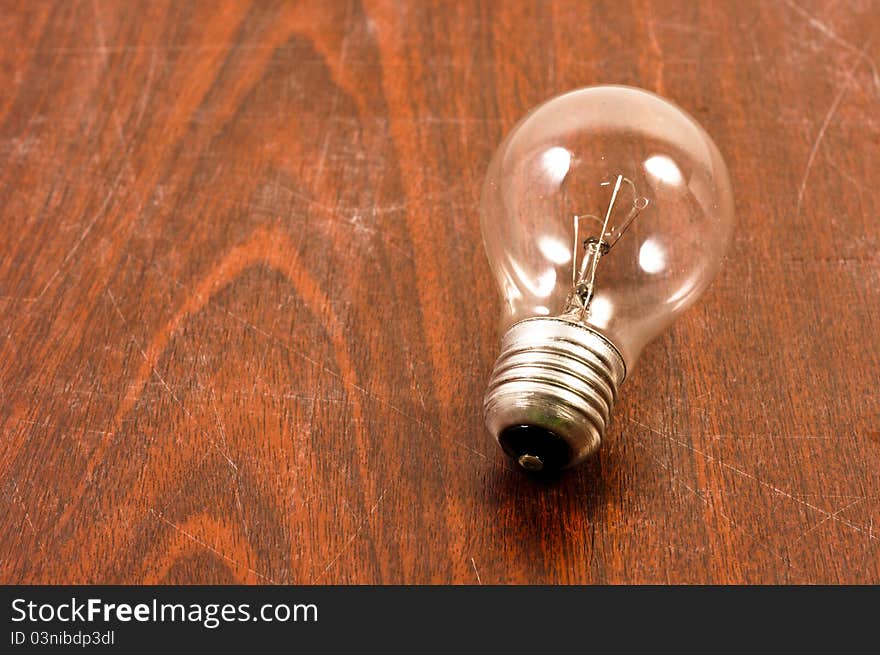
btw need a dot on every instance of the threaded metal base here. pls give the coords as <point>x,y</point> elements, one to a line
<point>551,393</point>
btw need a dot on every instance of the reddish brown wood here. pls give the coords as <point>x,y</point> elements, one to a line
<point>246,320</point>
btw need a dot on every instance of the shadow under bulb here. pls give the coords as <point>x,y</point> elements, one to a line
<point>605,213</point>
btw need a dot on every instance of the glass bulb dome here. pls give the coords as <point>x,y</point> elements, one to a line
<point>558,167</point>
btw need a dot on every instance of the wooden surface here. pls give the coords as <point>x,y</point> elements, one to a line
<point>246,319</point>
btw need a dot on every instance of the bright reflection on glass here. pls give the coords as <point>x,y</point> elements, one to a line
<point>546,283</point>
<point>681,295</point>
<point>664,169</point>
<point>555,250</point>
<point>556,162</point>
<point>511,291</point>
<point>600,311</point>
<point>652,257</point>
<point>539,286</point>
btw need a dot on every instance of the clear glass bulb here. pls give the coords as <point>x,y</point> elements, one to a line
<point>606,210</point>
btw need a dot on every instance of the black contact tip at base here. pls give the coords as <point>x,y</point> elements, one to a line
<point>535,449</point>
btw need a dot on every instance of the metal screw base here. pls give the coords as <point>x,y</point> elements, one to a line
<point>551,393</point>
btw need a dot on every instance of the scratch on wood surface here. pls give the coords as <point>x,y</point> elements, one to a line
<point>770,436</point>
<point>221,432</point>
<point>834,36</point>
<point>195,539</point>
<point>27,516</point>
<point>823,128</point>
<point>334,106</point>
<point>830,517</point>
<point>872,552</point>
<point>237,472</point>
<point>477,573</point>
<point>450,194</point>
<point>704,497</point>
<point>85,232</point>
<point>738,471</point>
<point>474,451</point>
<point>351,540</point>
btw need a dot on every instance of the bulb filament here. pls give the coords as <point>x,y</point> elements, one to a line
<point>583,275</point>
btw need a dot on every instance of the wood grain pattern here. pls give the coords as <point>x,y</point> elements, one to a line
<point>246,319</point>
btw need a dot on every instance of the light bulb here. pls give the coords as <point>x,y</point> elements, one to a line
<point>605,213</point>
